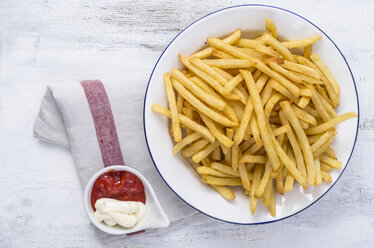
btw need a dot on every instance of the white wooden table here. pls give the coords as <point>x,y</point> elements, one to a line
<point>45,42</point>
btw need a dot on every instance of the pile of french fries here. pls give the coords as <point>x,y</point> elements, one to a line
<point>255,115</point>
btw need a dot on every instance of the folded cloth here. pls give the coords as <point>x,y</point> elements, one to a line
<point>67,118</point>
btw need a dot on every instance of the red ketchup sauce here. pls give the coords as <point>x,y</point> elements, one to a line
<point>119,185</point>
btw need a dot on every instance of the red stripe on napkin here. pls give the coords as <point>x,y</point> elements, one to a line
<point>102,116</point>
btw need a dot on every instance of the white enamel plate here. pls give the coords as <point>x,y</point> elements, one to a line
<point>178,174</point>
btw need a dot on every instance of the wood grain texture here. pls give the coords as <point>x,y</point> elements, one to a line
<point>63,42</point>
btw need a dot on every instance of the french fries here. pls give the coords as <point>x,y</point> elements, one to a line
<point>221,181</point>
<point>200,106</point>
<point>301,43</point>
<point>250,43</point>
<point>303,140</point>
<point>301,69</point>
<point>216,132</point>
<point>330,124</point>
<point>197,91</point>
<point>329,81</point>
<point>186,141</point>
<point>255,115</point>
<point>247,112</point>
<point>234,37</point>
<point>175,123</point>
<point>264,131</point>
<point>229,63</point>
<point>206,170</point>
<point>270,26</point>
<point>270,40</point>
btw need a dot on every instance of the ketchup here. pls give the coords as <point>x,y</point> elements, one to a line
<point>119,185</point>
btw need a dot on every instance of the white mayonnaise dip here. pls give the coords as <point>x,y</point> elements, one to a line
<point>123,213</point>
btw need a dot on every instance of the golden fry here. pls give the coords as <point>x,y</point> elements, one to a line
<point>303,102</point>
<point>187,122</point>
<point>180,101</point>
<point>281,130</point>
<point>288,184</point>
<point>279,78</point>
<point>318,104</point>
<point>255,159</point>
<point>325,70</point>
<point>308,51</point>
<point>227,151</point>
<point>318,171</point>
<point>266,94</point>
<point>231,39</point>
<point>328,81</point>
<point>272,207</point>
<point>267,50</point>
<point>244,176</point>
<point>246,144</point>
<point>253,53</point>
<point>216,154</point>
<point>205,152</point>
<point>207,78</point>
<point>202,107</point>
<point>257,105</point>
<point>249,43</point>
<point>330,124</point>
<point>205,170</point>
<point>321,140</point>
<point>266,199</point>
<point>229,63</point>
<point>301,43</point>
<point>255,183</point>
<point>323,147</point>
<point>326,176</point>
<point>303,115</point>
<point>271,102</point>
<point>288,74</point>
<point>255,130</point>
<point>270,27</point>
<point>288,163</point>
<point>175,123</point>
<point>279,184</point>
<point>186,141</point>
<point>278,87</point>
<point>220,54</point>
<point>303,141</point>
<point>234,51</point>
<point>216,132</point>
<point>329,151</point>
<point>244,122</point>
<point>264,181</point>
<point>279,47</point>
<point>224,192</point>
<point>330,161</point>
<point>225,169</point>
<point>325,167</point>
<point>221,181</point>
<point>307,92</point>
<point>194,148</point>
<point>232,84</point>
<point>235,156</point>
<point>256,75</point>
<point>211,100</point>
<point>301,69</point>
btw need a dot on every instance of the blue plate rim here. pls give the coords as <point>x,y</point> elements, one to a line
<point>358,113</point>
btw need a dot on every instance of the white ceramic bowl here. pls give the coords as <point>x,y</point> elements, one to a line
<point>176,172</point>
<point>154,218</point>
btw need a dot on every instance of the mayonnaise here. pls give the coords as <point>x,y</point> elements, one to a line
<point>123,213</point>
